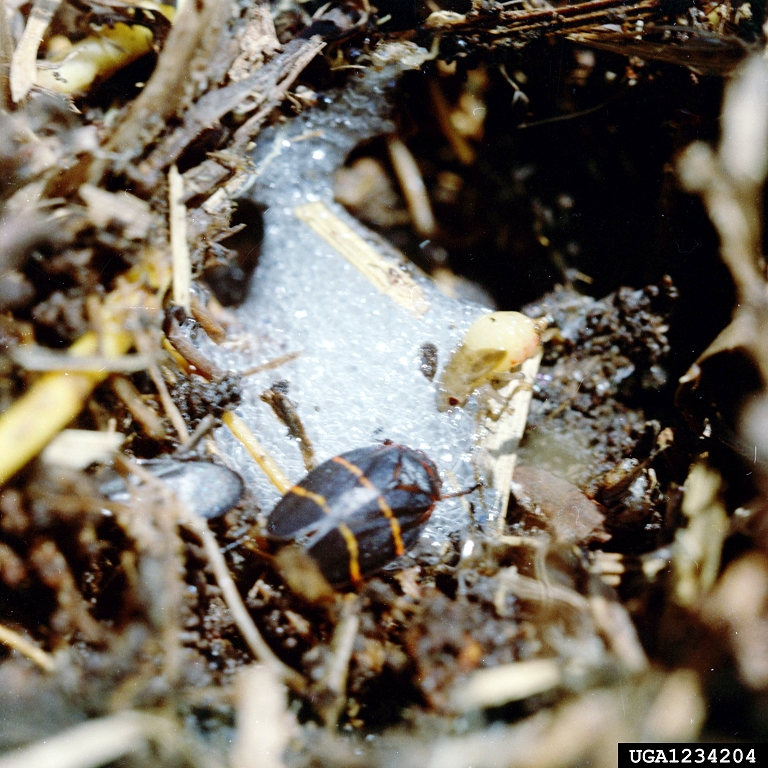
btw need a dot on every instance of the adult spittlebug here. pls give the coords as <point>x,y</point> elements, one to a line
<point>360,510</point>
<point>493,345</point>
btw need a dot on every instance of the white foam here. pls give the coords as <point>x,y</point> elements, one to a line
<point>358,378</point>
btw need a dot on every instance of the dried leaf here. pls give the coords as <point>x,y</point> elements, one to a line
<point>565,510</point>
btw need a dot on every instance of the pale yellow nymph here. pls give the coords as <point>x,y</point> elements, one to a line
<point>491,348</point>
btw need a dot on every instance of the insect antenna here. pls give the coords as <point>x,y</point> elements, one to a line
<point>465,492</point>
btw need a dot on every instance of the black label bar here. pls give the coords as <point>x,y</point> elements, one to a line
<point>702,754</point>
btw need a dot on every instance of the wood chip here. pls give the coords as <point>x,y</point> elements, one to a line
<point>386,275</point>
<point>264,88</point>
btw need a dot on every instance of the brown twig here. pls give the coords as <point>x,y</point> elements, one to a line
<point>206,319</point>
<point>277,399</point>
<point>568,17</point>
<point>191,353</point>
<point>186,52</point>
<point>207,423</point>
<point>105,740</point>
<point>145,344</point>
<point>144,415</point>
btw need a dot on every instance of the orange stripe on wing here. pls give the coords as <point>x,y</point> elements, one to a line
<point>318,498</point>
<point>354,554</point>
<point>344,530</point>
<point>386,510</point>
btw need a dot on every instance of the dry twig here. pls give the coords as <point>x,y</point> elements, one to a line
<point>24,61</point>
<point>26,648</point>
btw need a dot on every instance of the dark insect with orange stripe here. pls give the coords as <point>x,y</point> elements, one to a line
<point>359,511</point>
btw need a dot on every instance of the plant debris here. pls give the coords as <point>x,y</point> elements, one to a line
<point>595,569</point>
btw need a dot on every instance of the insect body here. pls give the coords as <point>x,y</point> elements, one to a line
<point>360,510</point>
<point>492,346</point>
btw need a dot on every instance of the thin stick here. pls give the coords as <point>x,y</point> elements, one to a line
<point>237,608</point>
<point>334,682</point>
<point>144,344</point>
<point>268,366</point>
<point>144,415</point>
<point>462,148</point>
<point>35,358</point>
<point>79,448</point>
<point>207,423</point>
<point>26,648</point>
<point>174,414</point>
<point>177,216</point>
<point>412,185</point>
<point>507,682</point>
<point>241,431</point>
<point>285,410</point>
<point>198,362</point>
<point>216,332</point>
